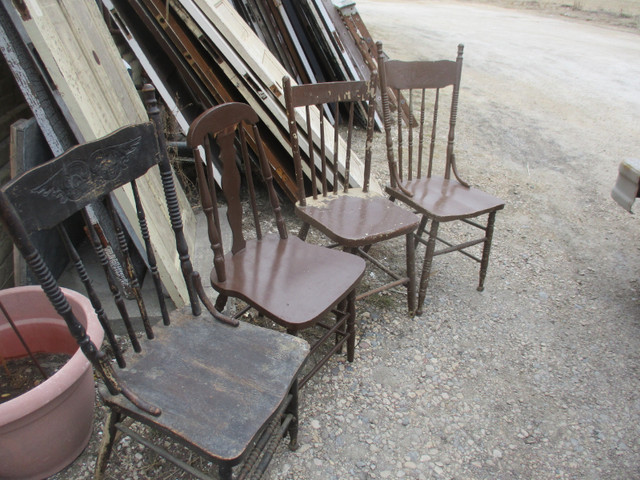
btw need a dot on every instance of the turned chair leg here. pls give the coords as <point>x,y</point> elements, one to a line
<point>109,436</point>
<point>411,273</point>
<point>304,231</point>
<point>351,326</point>
<point>484,264</point>
<point>420,230</point>
<point>293,410</point>
<point>426,266</point>
<point>221,302</point>
<point>225,471</point>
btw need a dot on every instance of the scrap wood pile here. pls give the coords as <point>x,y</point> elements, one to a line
<point>67,58</point>
<point>201,53</point>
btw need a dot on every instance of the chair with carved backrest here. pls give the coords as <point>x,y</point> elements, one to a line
<point>228,393</point>
<point>439,198</point>
<point>353,218</point>
<point>287,280</point>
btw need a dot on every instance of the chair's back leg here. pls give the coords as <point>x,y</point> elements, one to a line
<point>113,287</point>
<point>292,409</point>
<point>166,174</point>
<point>93,296</point>
<point>351,325</point>
<point>128,267</point>
<point>151,256</point>
<point>411,272</point>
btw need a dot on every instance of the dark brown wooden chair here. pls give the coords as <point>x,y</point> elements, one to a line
<point>353,218</point>
<point>291,282</point>
<point>229,394</point>
<point>439,198</point>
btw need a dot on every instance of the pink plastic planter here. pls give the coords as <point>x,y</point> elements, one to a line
<point>45,429</point>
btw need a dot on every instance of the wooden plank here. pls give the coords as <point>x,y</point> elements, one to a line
<point>74,44</point>
<point>129,35</point>
<point>32,84</point>
<point>275,20</point>
<point>321,41</point>
<point>28,148</point>
<point>248,85</point>
<point>287,30</point>
<point>207,76</point>
<point>332,29</point>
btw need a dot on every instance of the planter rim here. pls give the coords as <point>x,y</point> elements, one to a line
<point>47,391</point>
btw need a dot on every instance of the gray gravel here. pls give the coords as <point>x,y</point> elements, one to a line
<point>537,377</point>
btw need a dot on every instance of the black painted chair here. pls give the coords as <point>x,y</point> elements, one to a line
<point>228,393</point>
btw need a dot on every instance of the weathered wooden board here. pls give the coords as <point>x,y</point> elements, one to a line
<point>86,69</point>
<point>137,49</point>
<point>304,67</point>
<point>29,148</point>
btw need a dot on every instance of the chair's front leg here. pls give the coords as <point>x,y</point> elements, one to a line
<point>421,228</point>
<point>426,266</point>
<point>351,325</point>
<point>109,436</point>
<point>484,264</point>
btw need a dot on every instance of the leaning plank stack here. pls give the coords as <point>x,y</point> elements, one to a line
<point>197,53</point>
<point>204,53</point>
<point>95,93</point>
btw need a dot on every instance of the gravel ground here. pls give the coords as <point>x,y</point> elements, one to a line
<point>537,377</point>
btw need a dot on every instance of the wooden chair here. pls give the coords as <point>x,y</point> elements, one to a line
<point>439,198</point>
<point>291,282</point>
<point>353,218</point>
<point>227,393</point>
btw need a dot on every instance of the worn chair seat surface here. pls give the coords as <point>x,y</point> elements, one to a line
<point>446,200</point>
<point>288,280</point>
<point>357,219</point>
<point>218,405</point>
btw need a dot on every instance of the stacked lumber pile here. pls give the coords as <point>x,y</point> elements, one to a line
<point>73,78</point>
<point>74,61</point>
<point>200,53</point>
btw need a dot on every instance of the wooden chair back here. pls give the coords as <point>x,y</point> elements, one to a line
<point>46,196</point>
<point>421,84</point>
<point>341,98</point>
<point>219,135</point>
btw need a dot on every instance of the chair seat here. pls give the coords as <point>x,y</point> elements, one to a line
<point>445,200</point>
<point>220,394</point>
<point>357,219</point>
<point>290,281</point>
